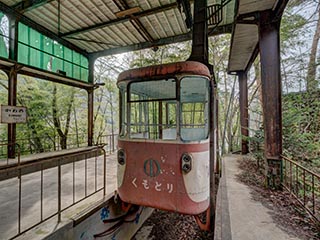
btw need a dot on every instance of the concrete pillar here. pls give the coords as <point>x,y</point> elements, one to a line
<point>269,45</point>
<point>244,116</point>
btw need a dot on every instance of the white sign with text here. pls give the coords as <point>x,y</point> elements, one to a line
<point>13,114</point>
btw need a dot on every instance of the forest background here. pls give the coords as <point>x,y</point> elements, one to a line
<point>57,114</point>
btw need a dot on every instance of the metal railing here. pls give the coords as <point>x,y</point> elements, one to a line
<point>110,140</point>
<point>45,144</point>
<point>304,185</point>
<point>54,185</point>
<point>4,160</point>
<point>50,144</point>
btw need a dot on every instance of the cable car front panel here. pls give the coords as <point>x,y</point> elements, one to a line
<point>163,156</point>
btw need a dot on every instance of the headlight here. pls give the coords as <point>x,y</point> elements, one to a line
<point>121,157</point>
<point>186,163</point>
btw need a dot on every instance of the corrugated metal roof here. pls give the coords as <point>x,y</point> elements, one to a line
<point>104,27</point>
<point>245,35</point>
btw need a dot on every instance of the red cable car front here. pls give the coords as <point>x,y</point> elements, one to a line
<point>163,157</point>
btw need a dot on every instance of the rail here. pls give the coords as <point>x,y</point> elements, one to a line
<point>46,143</point>
<point>49,143</point>
<point>55,184</point>
<point>4,160</point>
<point>110,140</point>
<point>304,185</point>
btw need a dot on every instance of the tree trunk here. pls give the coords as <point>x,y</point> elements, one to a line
<point>56,120</point>
<point>312,82</point>
<point>63,142</point>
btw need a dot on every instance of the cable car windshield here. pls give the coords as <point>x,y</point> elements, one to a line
<point>154,109</point>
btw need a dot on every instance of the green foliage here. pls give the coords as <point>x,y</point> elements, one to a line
<point>164,54</point>
<point>106,99</point>
<point>301,129</point>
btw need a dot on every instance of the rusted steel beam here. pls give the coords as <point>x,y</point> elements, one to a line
<point>159,42</point>
<point>28,5</point>
<point>213,156</point>
<point>12,93</point>
<point>244,121</point>
<point>91,101</point>
<point>269,45</point>
<point>90,116</point>
<point>12,101</point>
<point>199,51</point>
<point>218,159</point>
<point>149,12</point>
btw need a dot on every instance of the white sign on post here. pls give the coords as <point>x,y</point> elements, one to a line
<point>13,114</point>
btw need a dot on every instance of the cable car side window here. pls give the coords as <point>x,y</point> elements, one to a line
<point>194,98</point>
<point>152,109</point>
<point>123,109</point>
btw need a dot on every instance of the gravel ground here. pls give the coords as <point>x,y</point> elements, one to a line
<point>171,226</point>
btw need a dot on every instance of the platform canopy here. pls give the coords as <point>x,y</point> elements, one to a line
<point>98,28</point>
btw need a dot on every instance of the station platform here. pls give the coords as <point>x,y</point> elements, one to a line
<point>238,216</point>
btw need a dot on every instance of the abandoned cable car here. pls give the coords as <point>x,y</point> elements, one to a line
<point>163,155</point>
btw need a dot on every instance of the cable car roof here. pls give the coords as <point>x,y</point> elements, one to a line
<point>165,70</point>
<point>104,27</point>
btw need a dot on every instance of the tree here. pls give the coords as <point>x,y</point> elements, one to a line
<point>56,114</point>
<point>106,101</point>
<point>312,82</point>
<point>164,54</point>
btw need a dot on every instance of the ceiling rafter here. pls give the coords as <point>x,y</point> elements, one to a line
<point>187,11</point>
<point>156,43</point>
<point>121,20</point>
<point>136,23</point>
<point>28,5</point>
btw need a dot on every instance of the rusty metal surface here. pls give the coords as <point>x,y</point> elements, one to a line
<point>165,70</point>
<point>271,85</point>
<point>244,115</point>
<point>160,186</point>
<point>271,96</point>
<point>38,162</point>
<point>56,180</point>
<point>304,185</point>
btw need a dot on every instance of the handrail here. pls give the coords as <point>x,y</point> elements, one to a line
<point>299,165</point>
<point>18,152</point>
<point>50,143</point>
<point>304,185</point>
<point>86,169</point>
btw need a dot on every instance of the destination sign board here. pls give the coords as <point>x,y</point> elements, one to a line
<point>13,114</point>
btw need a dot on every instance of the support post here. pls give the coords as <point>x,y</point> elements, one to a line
<point>91,102</point>
<point>200,44</point>
<point>12,101</point>
<point>269,44</point>
<point>90,117</point>
<point>244,120</point>
<point>213,156</point>
<point>13,75</point>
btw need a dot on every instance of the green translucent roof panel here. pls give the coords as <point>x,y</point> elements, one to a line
<point>37,50</point>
